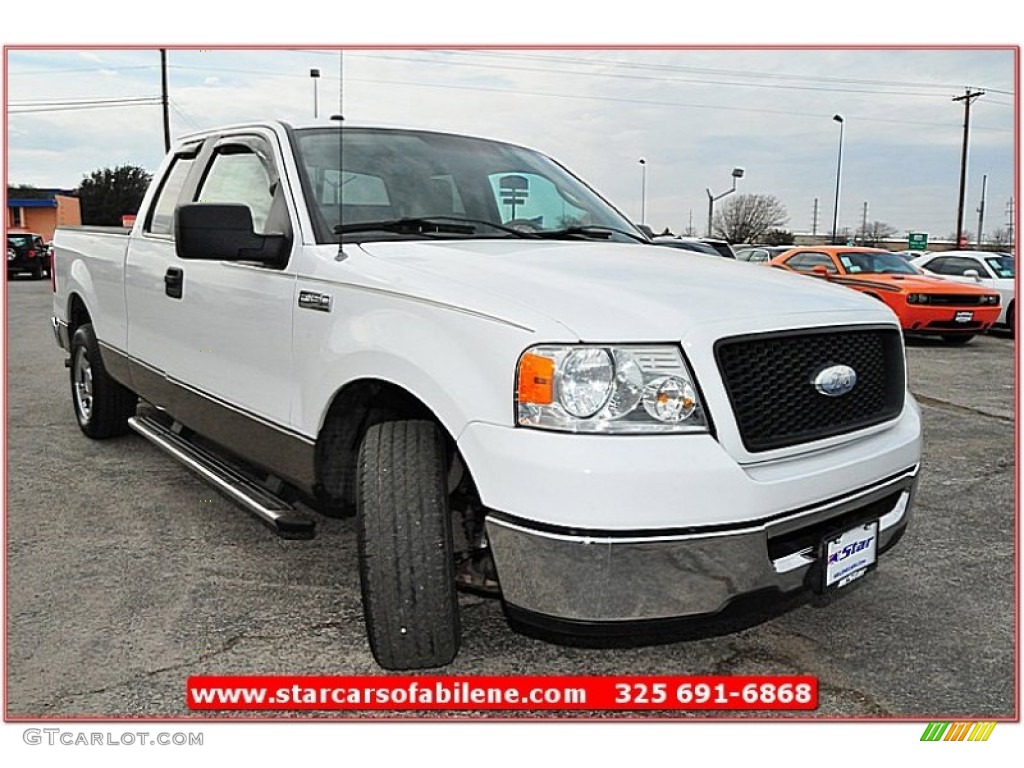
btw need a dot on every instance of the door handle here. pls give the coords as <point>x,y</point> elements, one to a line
<point>174,282</point>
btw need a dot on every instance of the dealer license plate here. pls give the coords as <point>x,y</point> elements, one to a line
<point>964,317</point>
<point>850,555</point>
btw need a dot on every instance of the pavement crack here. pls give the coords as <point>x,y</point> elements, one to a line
<point>963,410</point>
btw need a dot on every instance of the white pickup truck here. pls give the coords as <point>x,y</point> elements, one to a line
<point>512,389</point>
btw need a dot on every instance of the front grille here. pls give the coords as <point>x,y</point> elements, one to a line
<point>953,325</point>
<point>769,380</point>
<point>955,299</point>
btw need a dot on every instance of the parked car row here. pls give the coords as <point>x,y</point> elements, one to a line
<point>925,303</point>
<point>952,294</point>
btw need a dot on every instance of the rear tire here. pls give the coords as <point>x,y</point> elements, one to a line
<point>406,558</point>
<point>102,405</point>
<point>958,339</point>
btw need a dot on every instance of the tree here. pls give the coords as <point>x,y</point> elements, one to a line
<point>875,232</point>
<point>778,237</point>
<point>1000,239</point>
<point>746,218</point>
<point>27,192</point>
<point>108,194</point>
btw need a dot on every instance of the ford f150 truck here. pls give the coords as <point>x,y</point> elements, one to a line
<point>462,344</point>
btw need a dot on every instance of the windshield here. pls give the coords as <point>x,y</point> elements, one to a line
<point>19,241</point>
<point>859,263</point>
<point>1002,266</point>
<point>355,176</point>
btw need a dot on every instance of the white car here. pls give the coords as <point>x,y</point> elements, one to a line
<point>982,268</point>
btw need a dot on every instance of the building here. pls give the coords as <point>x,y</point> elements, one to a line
<point>43,215</point>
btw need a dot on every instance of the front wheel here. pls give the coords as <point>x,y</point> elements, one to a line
<point>406,559</point>
<point>102,405</point>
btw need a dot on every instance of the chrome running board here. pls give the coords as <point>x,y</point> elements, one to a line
<point>281,516</point>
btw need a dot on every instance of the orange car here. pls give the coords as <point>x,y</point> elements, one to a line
<point>924,305</point>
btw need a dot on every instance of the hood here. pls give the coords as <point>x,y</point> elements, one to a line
<point>617,292</point>
<point>911,283</point>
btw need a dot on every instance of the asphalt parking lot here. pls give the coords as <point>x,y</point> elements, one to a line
<point>126,574</point>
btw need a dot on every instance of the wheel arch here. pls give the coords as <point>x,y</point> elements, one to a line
<point>351,411</point>
<point>78,313</point>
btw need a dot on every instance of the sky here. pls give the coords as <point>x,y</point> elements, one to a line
<point>692,114</point>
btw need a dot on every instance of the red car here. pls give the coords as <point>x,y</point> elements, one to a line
<point>924,305</point>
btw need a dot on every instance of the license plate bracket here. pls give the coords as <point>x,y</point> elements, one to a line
<point>848,555</point>
<point>963,317</point>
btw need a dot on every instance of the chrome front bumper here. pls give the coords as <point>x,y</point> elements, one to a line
<point>604,576</point>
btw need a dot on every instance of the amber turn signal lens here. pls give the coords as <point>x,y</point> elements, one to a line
<point>536,380</point>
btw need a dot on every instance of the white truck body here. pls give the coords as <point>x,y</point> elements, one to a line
<point>585,529</point>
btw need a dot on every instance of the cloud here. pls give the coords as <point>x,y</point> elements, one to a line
<point>693,114</point>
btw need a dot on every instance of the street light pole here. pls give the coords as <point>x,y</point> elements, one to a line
<point>737,173</point>
<point>315,74</point>
<point>643,191</point>
<point>839,173</point>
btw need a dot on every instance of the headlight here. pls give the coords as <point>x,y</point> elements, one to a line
<point>991,298</point>
<point>616,390</point>
<point>917,298</point>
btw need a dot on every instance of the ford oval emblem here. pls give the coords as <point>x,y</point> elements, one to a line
<point>835,381</point>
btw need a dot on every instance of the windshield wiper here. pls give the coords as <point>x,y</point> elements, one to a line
<point>598,231</point>
<point>422,225</point>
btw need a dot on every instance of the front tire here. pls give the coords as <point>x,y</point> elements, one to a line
<point>102,405</point>
<point>406,559</point>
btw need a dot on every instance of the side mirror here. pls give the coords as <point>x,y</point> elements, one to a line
<point>973,273</point>
<point>223,232</point>
<point>820,270</point>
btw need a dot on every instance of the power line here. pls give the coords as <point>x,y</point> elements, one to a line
<point>81,100</point>
<point>80,107</point>
<point>80,69</point>
<point>723,72</point>
<point>661,78</point>
<point>653,102</point>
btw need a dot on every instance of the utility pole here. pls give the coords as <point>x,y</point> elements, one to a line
<point>981,209</point>
<point>864,225</point>
<point>968,98</point>
<point>164,100</point>
<point>1010,219</point>
<point>814,220</point>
